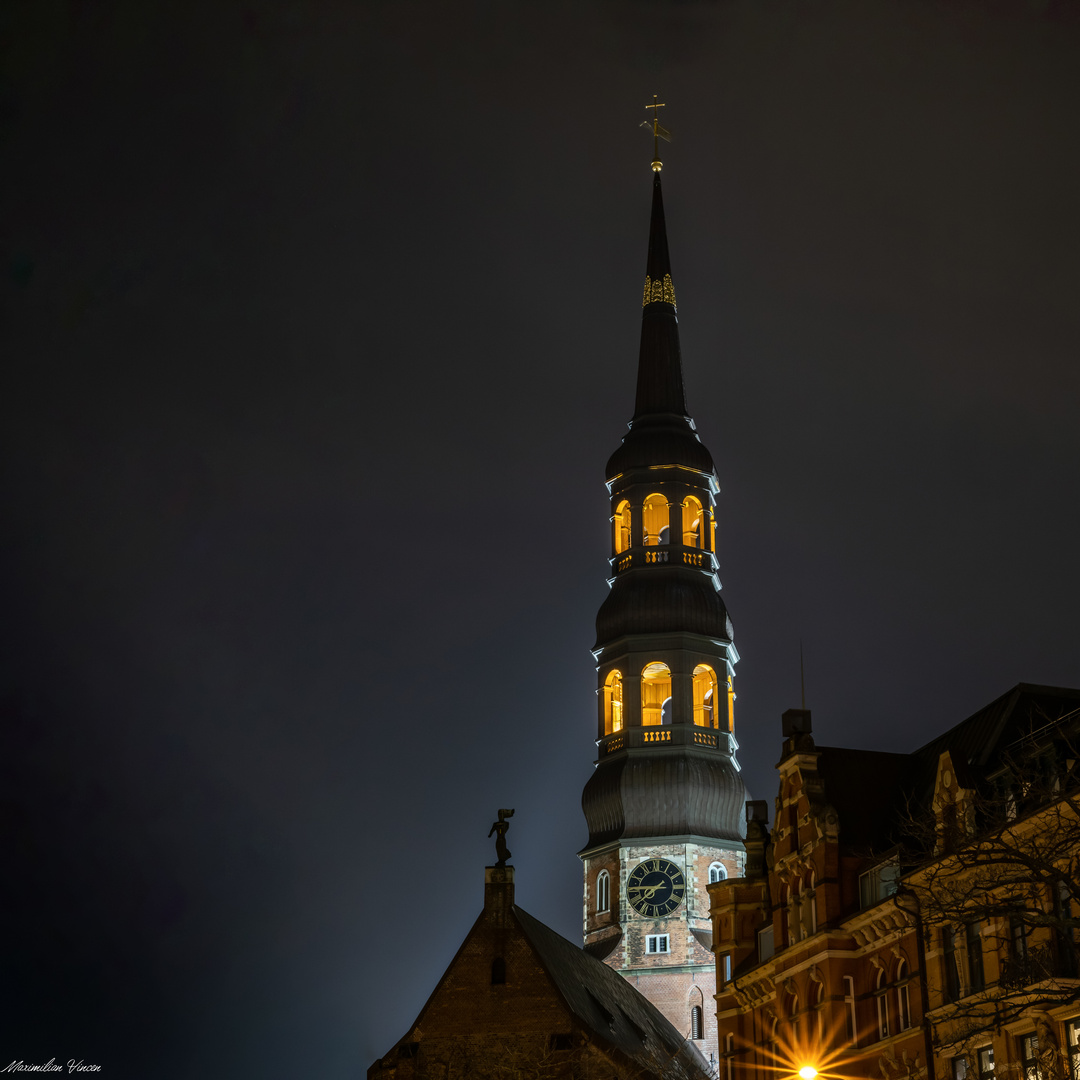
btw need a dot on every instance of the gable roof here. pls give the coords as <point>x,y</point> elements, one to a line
<point>606,1004</point>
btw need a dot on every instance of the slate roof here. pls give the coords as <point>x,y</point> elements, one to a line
<point>606,1004</point>
<point>870,789</point>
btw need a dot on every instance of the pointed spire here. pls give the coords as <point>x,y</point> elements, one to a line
<point>659,384</point>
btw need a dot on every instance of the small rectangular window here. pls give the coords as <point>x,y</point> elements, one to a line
<point>1029,1057</point>
<point>1072,1044</point>
<point>765,944</point>
<point>727,967</point>
<point>959,1068</point>
<point>656,943</point>
<point>984,1055</point>
<point>973,941</point>
<point>849,1002</point>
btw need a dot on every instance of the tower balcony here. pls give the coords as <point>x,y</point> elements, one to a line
<point>656,736</point>
<point>665,555</point>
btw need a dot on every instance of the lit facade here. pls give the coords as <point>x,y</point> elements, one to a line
<point>842,949</point>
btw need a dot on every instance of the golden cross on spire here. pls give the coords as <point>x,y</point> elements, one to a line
<point>659,132</point>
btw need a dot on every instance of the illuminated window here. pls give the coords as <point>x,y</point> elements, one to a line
<point>655,694</point>
<point>693,523</point>
<point>903,998</point>
<point>657,943</point>
<point>622,527</point>
<point>730,705</point>
<point>613,699</point>
<point>1029,1057</point>
<point>712,530</point>
<point>984,1057</point>
<point>704,696</point>
<point>717,872</point>
<point>1072,1044</point>
<point>655,520</point>
<point>882,1006</point>
<point>603,891</point>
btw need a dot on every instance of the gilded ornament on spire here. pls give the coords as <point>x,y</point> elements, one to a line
<point>659,132</point>
<point>659,290</point>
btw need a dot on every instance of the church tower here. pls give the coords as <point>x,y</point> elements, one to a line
<point>665,803</point>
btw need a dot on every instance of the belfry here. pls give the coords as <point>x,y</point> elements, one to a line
<point>665,804</point>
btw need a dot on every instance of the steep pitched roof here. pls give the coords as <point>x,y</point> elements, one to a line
<point>610,1007</point>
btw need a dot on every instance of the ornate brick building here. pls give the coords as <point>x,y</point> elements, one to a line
<point>664,806</point>
<point>911,910</point>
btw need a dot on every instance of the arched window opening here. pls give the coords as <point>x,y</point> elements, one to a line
<point>704,696</point>
<point>882,1006</point>
<point>693,523</point>
<point>793,1016</point>
<point>603,892</point>
<point>696,1031</point>
<point>712,530</point>
<point>903,998</point>
<point>717,872</point>
<point>730,705</point>
<point>613,699</point>
<point>655,520</point>
<point>812,903</point>
<point>622,527</point>
<point>819,1008</point>
<point>655,694</point>
<point>498,971</point>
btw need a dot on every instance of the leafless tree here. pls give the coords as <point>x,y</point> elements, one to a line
<point>992,874</point>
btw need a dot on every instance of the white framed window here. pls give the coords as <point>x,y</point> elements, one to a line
<point>717,872</point>
<point>657,943</point>
<point>603,891</point>
<point>882,1006</point>
<point>903,998</point>
<point>727,967</point>
<point>849,1005</point>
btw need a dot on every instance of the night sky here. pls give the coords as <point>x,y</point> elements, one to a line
<point>318,325</point>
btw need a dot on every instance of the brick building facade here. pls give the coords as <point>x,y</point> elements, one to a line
<point>520,1001</point>
<point>846,947</point>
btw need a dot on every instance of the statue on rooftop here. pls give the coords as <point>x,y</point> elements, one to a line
<point>500,828</point>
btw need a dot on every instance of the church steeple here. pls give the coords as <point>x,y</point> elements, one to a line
<point>665,803</point>
<point>660,384</point>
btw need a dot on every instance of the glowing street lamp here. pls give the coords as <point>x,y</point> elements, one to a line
<point>808,1072</point>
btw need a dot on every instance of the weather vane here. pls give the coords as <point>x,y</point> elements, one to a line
<point>658,131</point>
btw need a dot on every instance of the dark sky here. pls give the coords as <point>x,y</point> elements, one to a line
<point>319,323</point>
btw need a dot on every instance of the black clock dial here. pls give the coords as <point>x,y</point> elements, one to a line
<point>655,888</point>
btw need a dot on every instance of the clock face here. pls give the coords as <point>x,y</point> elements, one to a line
<point>655,887</point>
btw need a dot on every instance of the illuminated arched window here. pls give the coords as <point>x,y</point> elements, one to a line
<point>717,872</point>
<point>903,998</point>
<point>622,527</point>
<point>730,705</point>
<point>693,523</point>
<point>603,891</point>
<point>712,530</point>
<point>882,1005</point>
<point>704,696</point>
<point>655,520</point>
<point>613,703</point>
<point>655,693</point>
